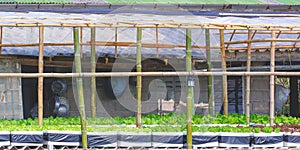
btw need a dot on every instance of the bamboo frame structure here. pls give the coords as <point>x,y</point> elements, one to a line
<point>272,81</point>
<point>93,70</point>
<point>189,88</point>
<point>116,40</point>
<point>139,79</point>
<point>248,77</point>
<point>209,78</point>
<point>224,77</point>
<point>79,86</point>
<point>41,79</point>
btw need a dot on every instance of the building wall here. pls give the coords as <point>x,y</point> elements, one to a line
<point>10,91</point>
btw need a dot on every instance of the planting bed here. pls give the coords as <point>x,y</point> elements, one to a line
<point>157,132</point>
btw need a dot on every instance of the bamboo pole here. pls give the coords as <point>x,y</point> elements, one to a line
<point>79,85</point>
<point>145,74</point>
<point>139,79</point>
<point>209,78</point>
<point>223,54</point>
<point>248,78</point>
<point>1,33</point>
<point>156,40</point>
<point>41,79</point>
<point>189,88</point>
<point>116,40</point>
<point>93,70</point>
<point>263,40</point>
<point>272,80</point>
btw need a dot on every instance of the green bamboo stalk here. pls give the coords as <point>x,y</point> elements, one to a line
<point>209,78</point>
<point>223,54</point>
<point>79,84</point>
<point>93,70</point>
<point>189,89</point>
<point>139,79</point>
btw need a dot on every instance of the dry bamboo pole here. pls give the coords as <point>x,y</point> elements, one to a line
<point>81,34</point>
<point>248,78</point>
<point>79,85</point>
<point>297,38</point>
<point>41,79</point>
<point>156,40</point>
<point>93,70</point>
<point>132,74</point>
<point>209,78</point>
<point>116,40</point>
<point>272,80</point>
<point>223,54</point>
<point>1,33</point>
<point>231,37</point>
<point>263,40</point>
<point>189,88</point>
<point>139,79</point>
<point>253,34</point>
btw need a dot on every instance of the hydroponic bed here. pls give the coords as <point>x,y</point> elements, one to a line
<point>157,132</point>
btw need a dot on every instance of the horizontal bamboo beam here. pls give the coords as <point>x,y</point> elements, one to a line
<point>263,32</point>
<point>263,40</point>
<point>155,74</point>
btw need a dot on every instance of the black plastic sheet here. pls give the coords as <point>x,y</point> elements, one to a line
<point>98,140</point>
<point>235,140</point>
<point>27,138</point>
<point>198,139</point>
<point>62,137</point>
<point>261,140</point>
<point>292,138</point>
<point>168,139</point>
<point>4,137</point>
<point>134,139</point>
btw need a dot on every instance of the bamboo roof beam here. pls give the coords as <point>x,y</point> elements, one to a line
<point>231,37</point>
<point>120,74</point>
<point>296,42</point>
<point>263,40</point>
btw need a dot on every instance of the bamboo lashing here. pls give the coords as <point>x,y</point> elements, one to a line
<point>79,85</point>
<point>248,77</point>
<point>272,80</point>
<point>41,79</point>
<point>224,82</point>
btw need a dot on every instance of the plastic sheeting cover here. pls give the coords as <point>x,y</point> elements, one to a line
<point>62,137</point>
<point>27,138</point>
<point>4,137</point>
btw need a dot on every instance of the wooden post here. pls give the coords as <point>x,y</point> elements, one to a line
<point>93,70</point>
<point>272,80</point>
<point>79,85</point>
<point>116,40</point>
<point>41,79</point>
<point>139,79</point>
<point>209,78</point>
<point>223,54</point>
<point>189,88</point>
<point>248,77</point>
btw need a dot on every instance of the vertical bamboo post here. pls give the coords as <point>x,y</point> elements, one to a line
<point>209,78</point>
<point>116,40</point>
<point>189,89</point>
<point>1,33</point>
<point>248,76</point>
<point>156,40</point>
<point>139,79</point>
<point>79,85</point>
<point>225,95</point>
<point>272,80</point>
<point>41,79</point>
<point>81,34</point>
<point>93,70</point>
